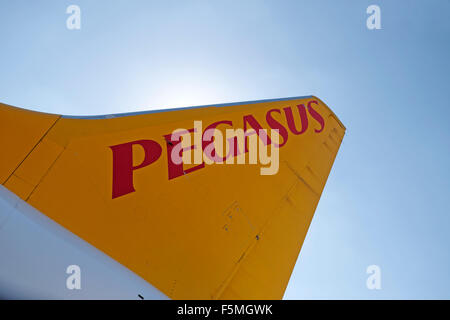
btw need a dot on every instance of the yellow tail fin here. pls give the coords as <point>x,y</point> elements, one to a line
<point>194,231</point>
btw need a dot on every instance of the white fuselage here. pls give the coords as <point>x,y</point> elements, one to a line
<point>36,255</point>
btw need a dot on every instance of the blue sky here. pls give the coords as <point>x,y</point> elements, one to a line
<point>386,200</point>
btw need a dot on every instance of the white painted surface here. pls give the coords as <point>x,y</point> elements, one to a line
<point>35,253</point>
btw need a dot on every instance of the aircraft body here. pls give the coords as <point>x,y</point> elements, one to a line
<point>102,197</point>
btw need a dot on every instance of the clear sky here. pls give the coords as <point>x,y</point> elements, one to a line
<point>387,198</point>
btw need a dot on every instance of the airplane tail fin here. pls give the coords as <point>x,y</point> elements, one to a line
<point>192,230</point>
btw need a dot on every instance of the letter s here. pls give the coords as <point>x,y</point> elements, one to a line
<point>316,115</point>
<point>274,124</point>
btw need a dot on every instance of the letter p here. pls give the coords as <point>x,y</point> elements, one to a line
<point>123,164</point>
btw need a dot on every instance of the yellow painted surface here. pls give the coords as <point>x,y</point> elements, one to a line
<point>20,131</point>
<point>39,161</point>
<point>220,232</point>
<point>20,187</point>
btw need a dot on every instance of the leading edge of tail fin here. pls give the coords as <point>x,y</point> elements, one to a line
<point>156,192</point>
